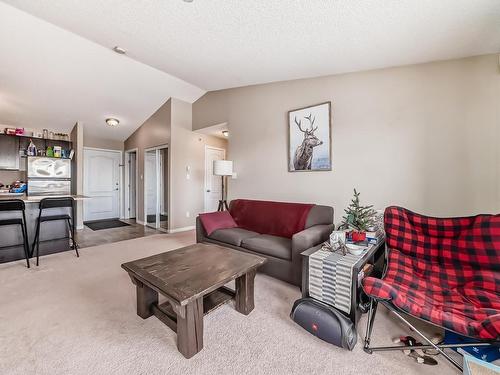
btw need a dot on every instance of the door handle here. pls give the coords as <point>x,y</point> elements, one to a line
<point>117,189</point>
<point>208,190</point>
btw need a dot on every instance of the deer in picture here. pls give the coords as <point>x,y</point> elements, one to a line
<point>304,153</point>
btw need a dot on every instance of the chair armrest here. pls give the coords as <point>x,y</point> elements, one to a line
<point>201,234</point>
<point>310,237</point>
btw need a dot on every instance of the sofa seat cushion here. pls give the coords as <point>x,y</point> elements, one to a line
<point>279,247</point>
<point>233,236</point>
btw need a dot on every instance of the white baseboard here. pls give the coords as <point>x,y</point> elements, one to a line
<point>183,229</point>
<point>140,222</point>
<point>79,227</point>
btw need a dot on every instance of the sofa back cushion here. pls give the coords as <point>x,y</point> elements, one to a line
<point>319,215</point>
<point>273,218</point>
<point>213,221</point>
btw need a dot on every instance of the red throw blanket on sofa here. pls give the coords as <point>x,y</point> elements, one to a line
<point>274,218</point>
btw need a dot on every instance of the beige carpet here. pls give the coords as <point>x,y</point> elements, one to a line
<point>77,316</point>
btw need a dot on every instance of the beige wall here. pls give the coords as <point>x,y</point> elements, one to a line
<point>188,149</point>
<point>91,140</point>
<point>154,132</point>
<point>422,136</point>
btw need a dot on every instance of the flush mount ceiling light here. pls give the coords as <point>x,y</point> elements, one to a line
<point>225,133</point>
<point>112,121</point>
<point>119,50</point>
<point>188,1</point>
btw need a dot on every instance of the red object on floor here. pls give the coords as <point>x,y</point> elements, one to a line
<point>443,270</point>
<point>267,217</point>
<point>217,220</point>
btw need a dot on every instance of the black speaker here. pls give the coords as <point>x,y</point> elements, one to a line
<point>324,322</point>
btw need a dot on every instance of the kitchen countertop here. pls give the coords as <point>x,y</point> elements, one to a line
<point>38,198</point>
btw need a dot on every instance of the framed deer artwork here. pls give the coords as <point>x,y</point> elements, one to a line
<point>309,138</point>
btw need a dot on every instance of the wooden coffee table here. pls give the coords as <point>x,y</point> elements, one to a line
<point>192,281</point>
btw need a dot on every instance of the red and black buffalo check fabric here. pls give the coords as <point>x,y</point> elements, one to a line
<point>443,270</point>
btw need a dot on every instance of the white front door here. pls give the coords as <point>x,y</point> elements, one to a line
<point>213,184</point>
<point>101,182</point>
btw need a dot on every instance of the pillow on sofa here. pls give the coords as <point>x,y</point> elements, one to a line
<point>213,221</point>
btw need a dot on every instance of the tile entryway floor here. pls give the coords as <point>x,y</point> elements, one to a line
<point>87,237</point>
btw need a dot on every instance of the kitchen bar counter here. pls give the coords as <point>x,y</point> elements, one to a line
<point>53,235</point>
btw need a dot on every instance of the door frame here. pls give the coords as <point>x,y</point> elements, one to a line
<point>120,177</point>
<point>156,148</point>
<point>207,147</point>
<point>126,196</point>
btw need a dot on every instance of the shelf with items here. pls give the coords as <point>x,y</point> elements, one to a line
<point>35,137</point>
<point>43,145</point>
<point>25,139</point>
<point>13,150</point>
<point>40,143</point>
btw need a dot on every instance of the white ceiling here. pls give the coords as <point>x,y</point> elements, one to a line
<point>54,74</point>
<point>51,78</point>
<point>217,44</point>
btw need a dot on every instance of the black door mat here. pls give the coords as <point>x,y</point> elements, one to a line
<point>105,224</point>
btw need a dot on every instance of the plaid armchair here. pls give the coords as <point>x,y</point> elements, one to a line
<point>445,271</point>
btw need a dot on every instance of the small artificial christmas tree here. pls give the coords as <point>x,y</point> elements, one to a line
<point>359,218</point>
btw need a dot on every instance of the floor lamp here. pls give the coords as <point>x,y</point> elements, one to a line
<point>223,168</point>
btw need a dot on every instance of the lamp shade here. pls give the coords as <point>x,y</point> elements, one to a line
<point>223,167</point>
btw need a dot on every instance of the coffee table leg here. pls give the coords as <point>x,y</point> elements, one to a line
<point>146,297</point>
<point>244,293</point>
<point>190,329</point>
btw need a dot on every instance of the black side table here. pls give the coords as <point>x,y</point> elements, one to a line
<point>374,255</point>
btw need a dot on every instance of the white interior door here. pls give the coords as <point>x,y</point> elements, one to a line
<point>213,184</point>
<point>101,182</point>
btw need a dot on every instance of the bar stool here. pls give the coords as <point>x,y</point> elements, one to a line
<point>17,205</point>
<point>48,203</point>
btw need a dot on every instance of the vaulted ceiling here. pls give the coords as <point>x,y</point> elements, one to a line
<point>51,78</point>
<point>178,48</point>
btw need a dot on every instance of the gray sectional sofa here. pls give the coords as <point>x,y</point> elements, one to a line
<point>282,253</point>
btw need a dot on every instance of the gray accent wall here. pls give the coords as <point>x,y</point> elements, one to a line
<point>154,132</point>
<point>172,124</point>
<point>422,136</point>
